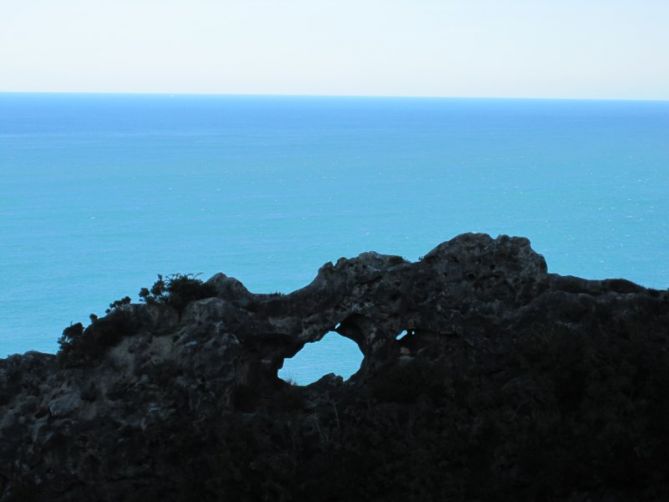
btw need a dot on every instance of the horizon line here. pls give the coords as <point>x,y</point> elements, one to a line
<point>307,95</point>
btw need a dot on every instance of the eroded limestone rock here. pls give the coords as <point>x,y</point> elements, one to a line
<point>191,408</point>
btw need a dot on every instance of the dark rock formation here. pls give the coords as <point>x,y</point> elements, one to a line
<point>512,384</point>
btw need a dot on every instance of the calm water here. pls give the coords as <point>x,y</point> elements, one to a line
<point>98,194</point>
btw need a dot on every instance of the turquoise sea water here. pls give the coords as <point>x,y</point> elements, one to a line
<point>99,193</point>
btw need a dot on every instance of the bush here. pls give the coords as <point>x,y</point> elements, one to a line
<point>288,397</point>
<point>244,398</point>
<point>406,383</point>
<point>116,305</point>
<point>177,291</point>
<point>79,346</point>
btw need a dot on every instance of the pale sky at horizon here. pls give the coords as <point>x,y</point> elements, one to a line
<point>596,49</point>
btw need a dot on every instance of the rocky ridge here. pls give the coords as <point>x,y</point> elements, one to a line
<point>512,384</point>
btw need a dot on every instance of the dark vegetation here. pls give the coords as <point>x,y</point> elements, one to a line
<point>81,346</point>
<point>544,413</point>
<point>552,415</point>
<point>177,291</point>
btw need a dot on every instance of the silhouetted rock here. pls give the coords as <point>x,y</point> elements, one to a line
<point>515,384</point>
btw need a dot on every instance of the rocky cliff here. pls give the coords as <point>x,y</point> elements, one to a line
<point>511,384</point>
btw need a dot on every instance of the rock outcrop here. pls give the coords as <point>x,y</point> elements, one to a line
<point>512,384</point>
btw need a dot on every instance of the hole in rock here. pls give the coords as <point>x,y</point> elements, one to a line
<point>331,354</point>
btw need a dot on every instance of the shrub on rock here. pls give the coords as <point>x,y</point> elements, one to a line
<point>81,346</point>
<point>177,291</point>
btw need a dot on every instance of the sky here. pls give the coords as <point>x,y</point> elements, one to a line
<point>593,49</point>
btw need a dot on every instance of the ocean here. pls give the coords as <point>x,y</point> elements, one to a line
<point>100,193</point>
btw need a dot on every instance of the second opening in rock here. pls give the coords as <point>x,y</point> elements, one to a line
<point>331,354</point>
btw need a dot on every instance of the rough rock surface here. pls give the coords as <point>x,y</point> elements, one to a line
<point>512,384</point>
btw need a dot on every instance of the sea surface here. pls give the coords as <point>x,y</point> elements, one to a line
<point>99,193</point>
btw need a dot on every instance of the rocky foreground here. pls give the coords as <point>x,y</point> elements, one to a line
<point>512,384</point>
